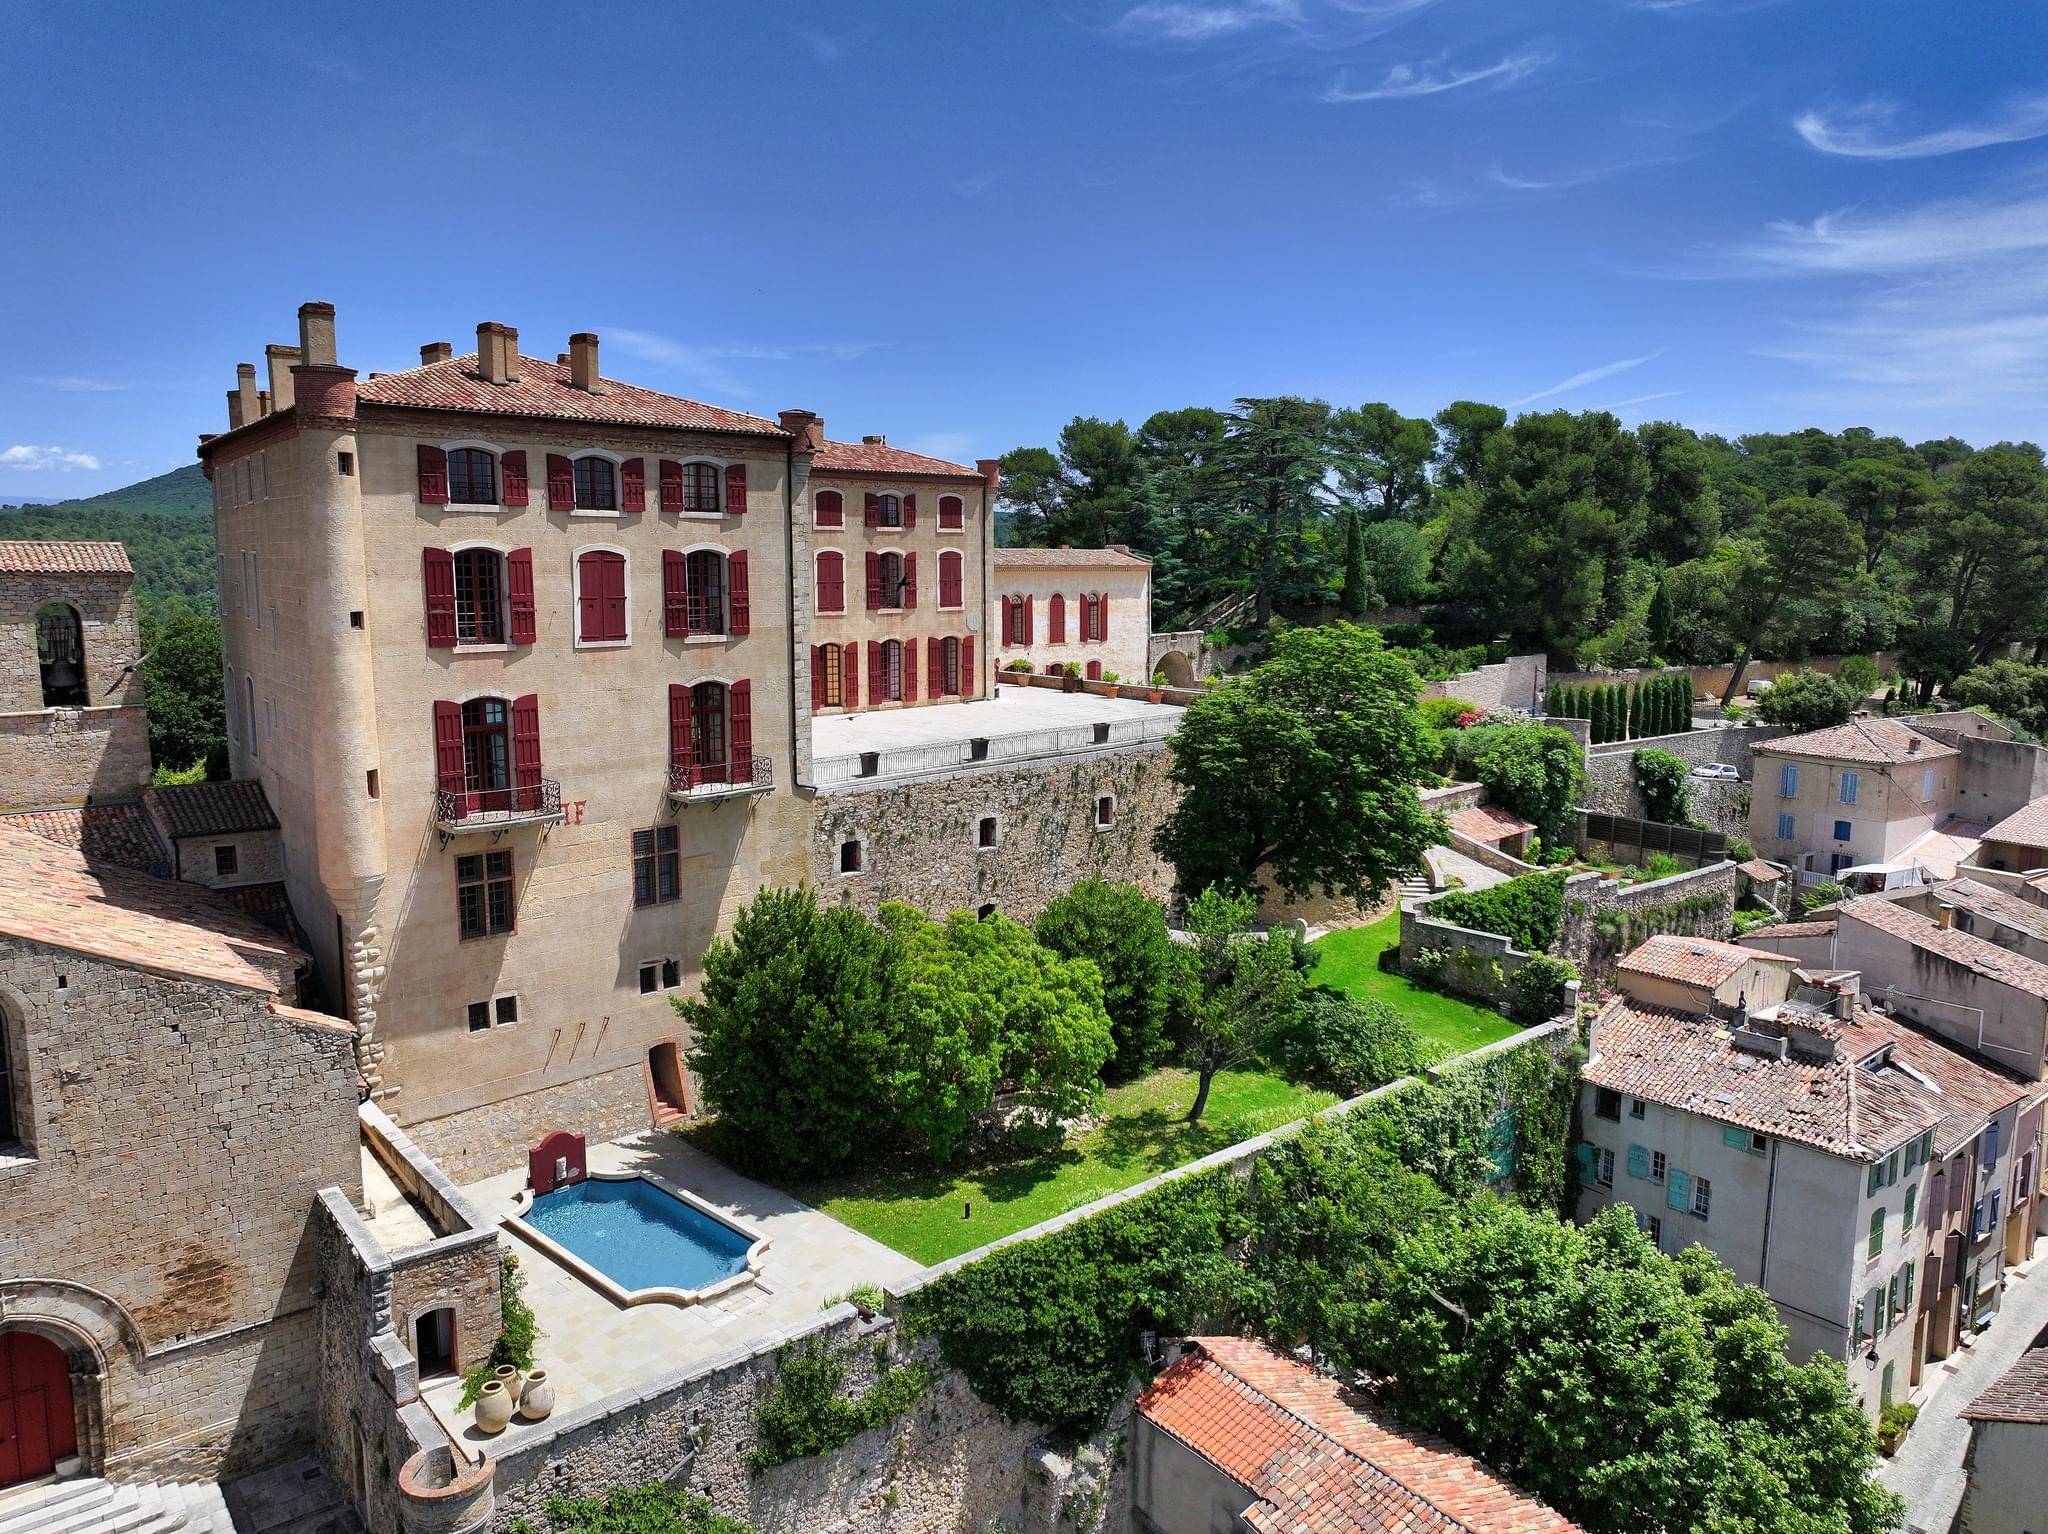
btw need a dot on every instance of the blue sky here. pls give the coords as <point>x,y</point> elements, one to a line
<point>961,223</point>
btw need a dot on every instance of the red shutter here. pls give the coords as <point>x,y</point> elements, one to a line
<point>874,509</point>
<point>589,597</point>
<point>671,485</point>
<point>817,676</point>
<point>735,490</point>
<point>1056,619</point>
<point>1095,671</point>
<point>739,704</point>
<point>934,667</point>
<point>1009,623</point>
<point>907,692</point>
<point>831,509</point>
<point>1102,616</point>
<point>909,512</point>
<point>831,581</point>
<point>949,511</point>
<point>680,734</point>
<point>561,483</point>
<point>526,747</point>
<point>874,581</point>
<point>950,567</point>
<point>519,588</point>
<point>874,671</point>
<point>512,479</point>
<point>1027,620</point>
<point>433,464</point>
<point>738,614</point>
<point>909,580</point>
<point>967,677</point>
<point>448,775</point>
<point>675,592</point>
<point>438,577</point>
<point>633,485</point>
<point>614,596</point>
<point>849,675</point>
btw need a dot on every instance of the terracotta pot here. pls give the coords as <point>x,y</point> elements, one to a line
<point>1070,684</point>
<point>493,1408</point>
<point>539,1397</point>
<point>509,1376</point>
<point>1115,690</point>
<point>1153,694</point>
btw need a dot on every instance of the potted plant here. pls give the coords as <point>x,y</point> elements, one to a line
<point>1111,680</point>
<point>1070,676</point>
<point>1155,692</point>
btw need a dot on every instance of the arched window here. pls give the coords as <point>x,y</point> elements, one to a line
<point>1095,671</point>
<point>487,746</point>
<point>704,581</point>
<point>60,652</point>
<point>600,597</point>
<point>891,566</point>
<point>892,671</point>
<point>949,668</point>
<point>707,730</point>
<point>830,507</point>
<point>479,593</point>
<point>831,581</point>
<point>949,513</point>
<point>700,487</point>
<point>1016,624</point>
<point>950,567</point>
<point>888,511</point>
<point>472,477</point>
<point>1056,619</point>
<point>597,484</point>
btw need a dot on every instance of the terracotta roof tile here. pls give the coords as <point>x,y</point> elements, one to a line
<point>1086,559</point>
<point>880,458</point>
<point>1489,823</point>
<point>2026,826</point>
<point>1691,960</point>
<point>1929,936</point>
<point>1995,904</point>
<point>1862,740</point>
<point>1789,929</point>
<point>1763,871</point>
<point>118,835</point>
<point>36,556</point>
<point>1971,1090</point>
<point>1323,1459</point>
<point>543,390</point>
<point>212,809</point>
<point>2018,1395</point>
<point>50,894</point>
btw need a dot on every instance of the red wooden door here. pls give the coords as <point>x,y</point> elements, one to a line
<point>36,1427</point>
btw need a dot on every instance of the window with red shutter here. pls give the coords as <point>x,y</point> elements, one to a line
<point>934,668</point>
<point>830,509</point>
<point>433,471</point>
<point>448,772</point>
<point>736,593</point>
<point>831,581</point>
<point>1027,620</point>
<point>671,485</point>
<point>740,703</point>
<point>949,578</point>
<point>909,580</point>
<point>1102,615</point>
<point>818,675</point>
<point>600,596</point>
<point>1056,619</point>
<point>675,594</point>
<point>966,674</point>
<point>519,594</point>
<point>1009,621</point>
<point>874,509</point>
<point>526,767</point>
<point>633,485</point>
<point>561,483</point>
<point>850,674</point>
<point>906,684</point>
<point>875,693</point>
<point>874,567</point>
<point>950,518</point>
<point>735,490</point>
<point>680,733</point>
<point>512,470</point>
<point>472,477</point>
<point>909,511</point>
<point>437,576</point>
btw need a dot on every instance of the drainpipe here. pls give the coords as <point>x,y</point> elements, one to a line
<point>789,589</point>
<point>1763,1267</point>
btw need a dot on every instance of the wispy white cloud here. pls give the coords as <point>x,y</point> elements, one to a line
<point>710,364</point>
<point>70,384</point>
<point>1937,235</point>
<point>973,186</point>
<point>1866,132</point>
<point>1645,399</point>
<point>1406,81</point>
<point>1589,376</point>
<point>825,50</point>
<point>37,459</point>
<point>1189,21</point>
<point>1501,177</point>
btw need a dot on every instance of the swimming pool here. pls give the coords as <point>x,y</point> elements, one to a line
<point>640,1238</point>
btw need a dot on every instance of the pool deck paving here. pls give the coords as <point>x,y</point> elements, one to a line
<point>591,1346</point>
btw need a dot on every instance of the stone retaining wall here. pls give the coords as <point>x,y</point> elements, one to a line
<point>1611,773</point>
<point>481,1141</point>
<point>1517,682</point>
<point>1698,903</point>
<point>1478,965</point>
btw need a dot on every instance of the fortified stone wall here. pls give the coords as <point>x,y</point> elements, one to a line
<point>920,841</point>
<point>482,1141</point>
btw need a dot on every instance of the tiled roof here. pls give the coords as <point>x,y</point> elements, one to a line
<point>50,894</point>
<point>1862,740</point>
<point>1789,929</point>
<point>1066,558</point>
<point>1763,870</point>
<point>1691,960</point>
<point>880,458</point>
<point>1691,1063</point>
<point>1995,904</point>
<point>544,390</point>
<point>119,835</point>
<point>1323,1459</point>
<point>2018,1395</point>
<point>1970,1090</point>
<point>35,556</point>
<point>212,809</point>
<point>1488,823</point>
<point>1929,936</point>
<point>2026,826</point>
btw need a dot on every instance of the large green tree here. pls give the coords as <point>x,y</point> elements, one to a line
<point>184,687</point>
<point>1381,459</point>
<point>1250,983</point>
<point>1808,700</point>
<point>1986,549</point>
<point>1304,769</point>
<point>1783,582</point>
<point>1122,930</point>
<point>1274,456</point>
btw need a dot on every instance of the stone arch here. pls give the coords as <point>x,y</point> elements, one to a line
<point>1178,667</point>
<point>95,1333</point>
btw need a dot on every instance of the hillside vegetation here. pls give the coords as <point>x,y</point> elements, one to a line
<point>166,522</point>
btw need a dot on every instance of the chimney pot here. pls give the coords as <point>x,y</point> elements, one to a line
<point>316,335</point>
<point>281,360</point>
<point>234,408</point>
<point>263,402</point>
<point>875,439</point>
<point>511,353</point>
<point>437,351</point>
<point>245,386</point>
<point>583,361</point>
<point>991,470</point>
<point>562,359</point>
<point>807,426</point>
<point>490,353</point>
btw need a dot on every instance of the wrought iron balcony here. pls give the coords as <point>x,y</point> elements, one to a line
<point>718,780</point>
<point>497,809</point>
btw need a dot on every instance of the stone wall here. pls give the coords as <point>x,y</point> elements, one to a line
<point>63,756</point>
<point>1475,964</point>
<point>1710,681</point>
<point>1611,773</point>
<point>1517,682</point>
<point>56,757</point>
<point>481,1141</point>
<point>1604,918</point>
<point>920,841</point>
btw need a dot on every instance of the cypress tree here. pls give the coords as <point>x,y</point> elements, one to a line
<point>1553,700</point>
<point>1356,594</point>
<point>1659,621</point>
<point>1635,710</point>
<point>1603,716</point>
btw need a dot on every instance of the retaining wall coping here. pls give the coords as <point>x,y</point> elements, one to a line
<point>368,1250</point>
<point>378,1127</point>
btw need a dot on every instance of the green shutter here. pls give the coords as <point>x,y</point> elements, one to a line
<point>1735,1139</point>
<point>1927,1146</point>
<point>1856,1327</point>
<point>1876,1173</point>
<point>1906,1290</point>
<point>1587,1160</point>
<point>1906,1219</point>
<point>1678,1190</point>
<point>1638,1161</point>
<point>1876,1232</point>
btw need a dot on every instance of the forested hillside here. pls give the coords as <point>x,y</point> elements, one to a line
<point>166,522</point>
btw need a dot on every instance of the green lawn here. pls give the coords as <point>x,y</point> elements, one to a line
<point>920,1213</point>
<point>1445,1024</point>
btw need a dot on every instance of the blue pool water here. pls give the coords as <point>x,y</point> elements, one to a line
<point>638,1236</point>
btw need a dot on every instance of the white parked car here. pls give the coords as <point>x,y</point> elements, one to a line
<point>1719,772</point>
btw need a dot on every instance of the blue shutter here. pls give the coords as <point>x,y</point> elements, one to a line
<point>1735,1139</point>
<point>1991,1143</point>
<point>1850,782</point>
<point>1788,782</point>
<point>1638,1161</point>
<point>1977,1219</point>
<point>1678,1190</point>
<point>1786,827</point>
<point>1993,1225</point>
<point>1587,1160</point>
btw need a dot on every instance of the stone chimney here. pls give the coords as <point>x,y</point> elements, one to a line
<point>281,360</point>
<point>436,351</point>
<point>583,361</point>
<point>262,402</point>
<point>245,386</point>
<point>806,426</point>
<point>991,471</point>
<point>234,408</point>
<point>316,335</point>
<point>875,439</point>
<point>493,347</point>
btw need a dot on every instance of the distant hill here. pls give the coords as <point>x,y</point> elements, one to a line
<point>166,522</point>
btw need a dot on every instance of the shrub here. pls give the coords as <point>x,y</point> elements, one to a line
<point>1662,865</point>
<point>1527,910</point>
<point>1123,930</point>
<point>1827,892</point>
<point>1536,993</point>
<point>1019,664</point>
<point>1808,700</point>
<point>1343,1043</point>
<point>804,1412</point>
<point>518,1332</point>
<point>1444,713</point>
<point>1893,1423</point>
<point>1664,782</point>
<point>636,1510</point>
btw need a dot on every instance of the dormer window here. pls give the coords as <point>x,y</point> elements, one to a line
<point>472,477</point>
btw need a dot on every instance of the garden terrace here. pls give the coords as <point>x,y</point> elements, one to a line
<point>1019,725</point>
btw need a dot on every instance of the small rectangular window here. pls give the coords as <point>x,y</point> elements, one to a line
<point>345,463</point>
<point>986,835</point>
<point>1702,1196</point>
<point>1843,831</point>
<point>1105,812</point>
<point>849,857</point>
<point>671,974</point>
<point>370,782</point>
<point>355,618</point>
<point>508,1010</point>
<point>479,1017</point>
<point>1606,1103</point>
<point>1851,782</point>
<point>1656,1228</point>
<point>483,892</point>
<point>1637,1108</point>
<point>657,866</point>
<point>1606,1172</point>
<point>1657,1165</point>
<point>225,859</point>
<point>650,976</point>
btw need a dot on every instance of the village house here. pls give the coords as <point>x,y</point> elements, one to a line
<point>1871,1178</point>
<point>2019,843</point>
<point>2008,1445</point>
<point>1090,608</point>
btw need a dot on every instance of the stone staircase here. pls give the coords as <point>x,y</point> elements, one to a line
<point>88,1505</point>
<point>290,1498</point>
